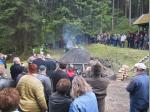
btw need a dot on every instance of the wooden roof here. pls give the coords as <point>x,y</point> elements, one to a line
<point>76,56</point>
<point>143,19</point>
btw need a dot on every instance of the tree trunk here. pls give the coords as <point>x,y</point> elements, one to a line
<point>130,4</point>
<point>113,6</point>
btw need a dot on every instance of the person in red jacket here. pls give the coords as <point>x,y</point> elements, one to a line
<point>71,72</point>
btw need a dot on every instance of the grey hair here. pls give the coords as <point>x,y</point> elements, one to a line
<point>79,87</point>
<point>16,59</point>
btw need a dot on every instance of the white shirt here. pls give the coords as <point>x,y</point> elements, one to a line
<point>123,38</point>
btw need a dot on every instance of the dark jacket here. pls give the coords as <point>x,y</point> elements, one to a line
<point>59,103</point>
<point>5,82</point>
<point>56,76</point>
<point>139,92</point>
<point>39,62</point>
<point>15,70</point>
<point>51,66</point>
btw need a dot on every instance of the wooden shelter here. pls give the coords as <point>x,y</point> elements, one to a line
<point>78,57</point>
<point>143,22</point>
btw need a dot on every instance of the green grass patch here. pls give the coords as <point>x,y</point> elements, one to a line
<point>126,56</point>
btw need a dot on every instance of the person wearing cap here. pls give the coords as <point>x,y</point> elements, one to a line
<point>138,89</point>
<point>47,84</point>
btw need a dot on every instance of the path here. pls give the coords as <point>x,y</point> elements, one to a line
<point>117,99</point>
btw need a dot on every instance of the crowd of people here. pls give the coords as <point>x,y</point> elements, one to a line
<point>134,40</point>
<point>44,85</point>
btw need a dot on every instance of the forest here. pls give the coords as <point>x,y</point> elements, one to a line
<point>26,24</point>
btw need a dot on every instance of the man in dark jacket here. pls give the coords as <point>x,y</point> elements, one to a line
<point>59,74</point>
<point>16,68</point>
<point>50,65</point>
<point>138,89</point>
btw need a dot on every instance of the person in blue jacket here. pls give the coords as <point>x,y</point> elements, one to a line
<point>84,98</point>
<point>138,89</point>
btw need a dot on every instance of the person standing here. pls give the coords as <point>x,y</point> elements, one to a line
<point>50,65</point>
<point>58,74</point>
<point>9,100</point>
<point>46,81</point>
<point>84,98</point>
<point>31,92</point>
<point>138,89</point>
<point>123,39</point>
<point>16,68</point>
<point>39,61</point>
<point>59,101</point>
<point>99,85</point>
<point>5,82</point>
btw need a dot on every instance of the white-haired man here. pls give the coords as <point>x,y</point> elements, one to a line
<point>138,89</point>
<point>16,68</point>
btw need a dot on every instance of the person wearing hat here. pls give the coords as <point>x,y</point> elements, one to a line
<point>138,89</point>
<point>47,84</point>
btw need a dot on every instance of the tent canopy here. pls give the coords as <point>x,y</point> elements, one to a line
<point>143,19</point>
<point>76,56</point>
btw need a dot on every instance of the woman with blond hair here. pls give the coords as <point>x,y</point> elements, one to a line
<point>84,98</point>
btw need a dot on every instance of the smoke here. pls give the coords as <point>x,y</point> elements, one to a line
<point>70,32</point>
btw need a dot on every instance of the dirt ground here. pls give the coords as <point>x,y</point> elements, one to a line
<point>117,99</point>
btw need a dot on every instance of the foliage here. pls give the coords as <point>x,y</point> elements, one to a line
<point>26,24</point>
<point>20,23</point>
<point>86,14</point>
<point>122,26</point>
